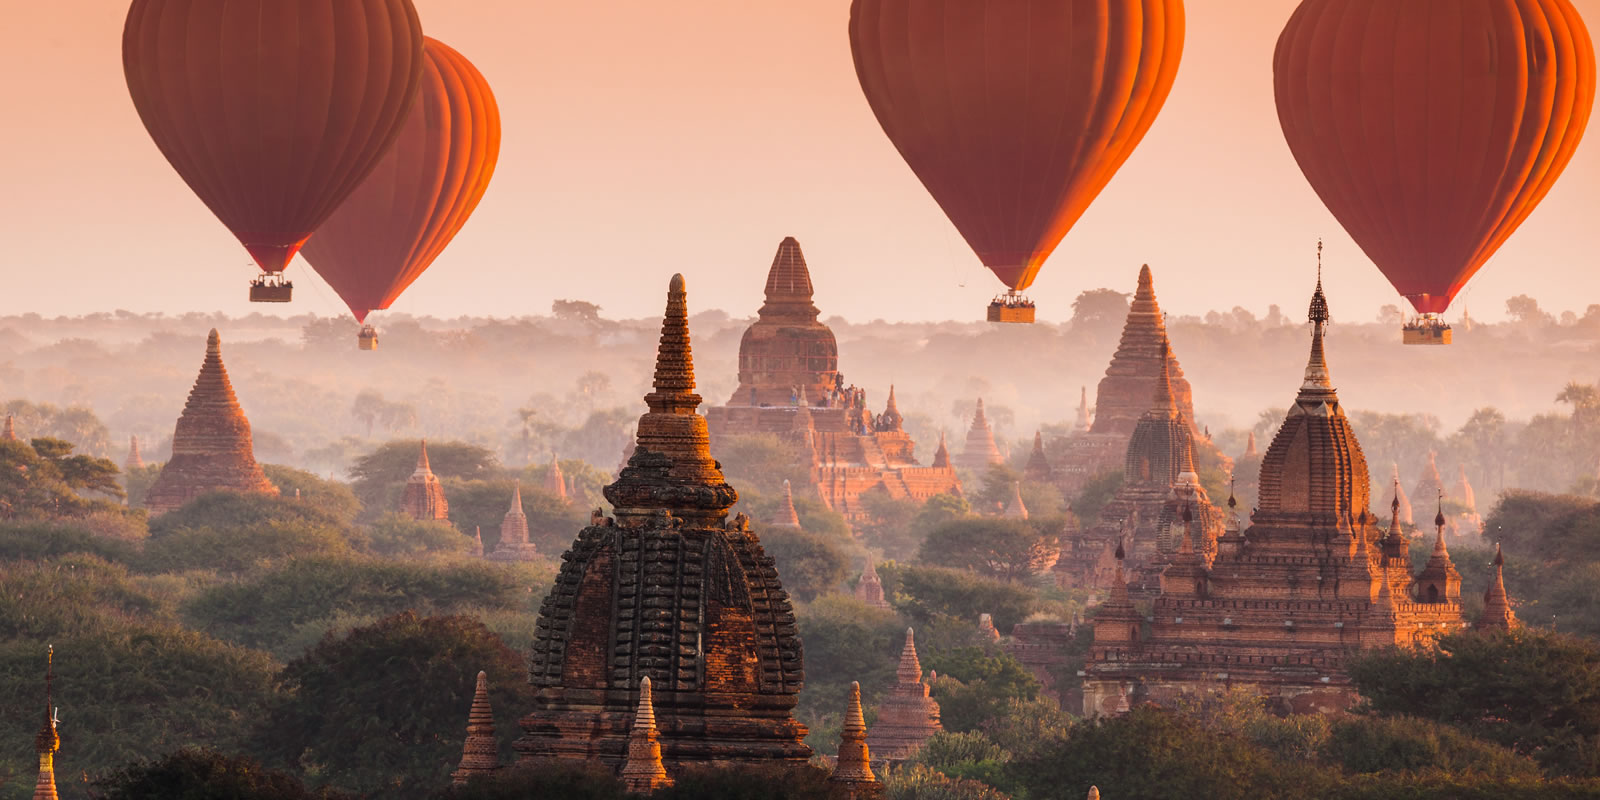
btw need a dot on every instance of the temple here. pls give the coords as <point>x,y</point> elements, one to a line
<point>555,483</point>
<point>134,460</point>
<point>1287,600</point>
<point>1431,485</point>
<point>1405,518</point>
<point>423,496</point>
<point>673,590</point>
<point>211,446</point>
<point>1160,483</point>
<point>852,770</point>
<point>869,589</point>
<point>980,451</point>
<point>8,432</point>
<point>1497,613</point>
<point>514,544</point>
<point>48,742</point>
<point>480,754</point>
<point>1123,395</point>
<point>644,771</point>
<point>786,516</point>
<point>907,716</point>
<point>790,387</point>
<point>1038,469</point>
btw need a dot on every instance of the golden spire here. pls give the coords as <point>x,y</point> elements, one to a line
<point>854,764</point>
<point>47,743</point>
<point>643,772</point>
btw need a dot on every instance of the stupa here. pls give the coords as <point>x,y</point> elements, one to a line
<point>907,716</point>
<point>1038,469</point>
<point>1123,395</point>
<point>790,387</point>
<point>1015,509</point>
<point>853,768</point>
<point>1431,485</point>
<point>555,483</point>
<point>1081,421</point>
<point>1400,497</point>
<point>8,432</point>
<point>869,589</point>
<point>980,451</point>
<point>47,743</point>
<point>786,516</point>
<point>423,496</point>
<point>1287,600</point>
<point>480,754</point>
<point>134,460</point>
<point>1497,613</point>
<point>644,771</point>
<point>211,447</point>
<point>673,590</point>
<point>514,544</point>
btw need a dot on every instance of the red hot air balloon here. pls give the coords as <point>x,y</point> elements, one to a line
<point>272,110</point>
<point>1432,128</point>
<point>1016,113</point>
<point>406,212</point>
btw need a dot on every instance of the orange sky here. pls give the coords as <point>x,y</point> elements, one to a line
<point>643,138</point>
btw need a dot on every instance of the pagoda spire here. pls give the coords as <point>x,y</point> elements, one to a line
<point>854,764</point>
<point>910,669</point>
<point>1497,613</point>
<point>893,420</point>
<point>516,500</point>
<point>671,467</point>
<point>786,518</point>
<point>1038,468</point>
<point>643,772</point>
<point>423,496</point>
<point>9,432</point>
<point>1250,450</point>
<point>1016,509</point>
<point>554,481</point>
<point>1318,386</point>
<point>424,468</point>
<point>941,457</point>
<point>1439,581</point>
<point>480,755</point>
<point>1164,399</point>
<point>1081,423</point>
<point>47,743</point>
<point>1403,502</point>
<point>135,459</point>
<point>789,291</point>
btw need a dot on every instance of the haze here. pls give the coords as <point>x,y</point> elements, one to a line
<point>644,138</point>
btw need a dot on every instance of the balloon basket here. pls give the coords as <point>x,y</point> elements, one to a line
<point>1427,330</point>
<point>1011,307</point>
<point>367,339</point>
<point>271,287</point>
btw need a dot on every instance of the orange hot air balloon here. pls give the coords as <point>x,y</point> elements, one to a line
<point>273,111</point>
<point>1432,128</point>
<point>406,212</point>
<point>1016,113</point>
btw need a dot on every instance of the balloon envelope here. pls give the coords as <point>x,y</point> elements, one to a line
<point>272,110</point>
<point>1015,114</point>
<point>1432,128</point>
<point>406,212</point>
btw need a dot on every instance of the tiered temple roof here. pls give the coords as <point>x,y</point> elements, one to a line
<point>786,516</point>
<point>1038,469</point>
<point>673,590</point>
<point>514,544</point>
<point>643,772</point>
<point>869,589</point>
<point>423,496</point>
<point>907,716</point>
<point>790,387</point>
<point>480,754</point>
<point>788,349</point>
<point>1312,579</point>
<point>980,451</point>
<point>134,460</point>
<point>211,446</point>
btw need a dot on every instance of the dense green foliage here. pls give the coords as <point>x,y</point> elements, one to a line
<point>44,478</point>
<point>203,775</point>
<point>810,564</point>
<point>1007,549</point>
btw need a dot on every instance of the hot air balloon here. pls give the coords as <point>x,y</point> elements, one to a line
<point>406,212</point>
<point>1016,113</point>
<point>272,110</point>
<point>1432,128</point>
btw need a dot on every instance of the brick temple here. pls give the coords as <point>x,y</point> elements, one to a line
<point>423,497</point>
<point>1285,601</point>
<point>1123,395</point>
<point>1159,483</point>
<point>211,446</point>
<point>671,589</point>
<point>907,715</point>
<point>790,387</point>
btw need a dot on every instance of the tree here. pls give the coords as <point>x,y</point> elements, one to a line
<point>396,535</point>
<point>1525,311</point>
<point>1099,312</point>
<point>1534,691</point>
<point>224,511</point>
<point>202,775</point>
<point>1007,549</point>
<point>935,594</point>
<point>1390,315</point>
<point>976,686</point>
<point>808,564</point>
<point>891,524</point>
<point>1094,495</point>
<point>332,497</point>
<point>380,475</point>
<point>552,778</point>
<point>239,549</point>
<point>344,691</point>
<point>44,479</point>
<point>1407,744</point>
<point>575,311</point>
<point>761,462</point>
<point>482,505</point>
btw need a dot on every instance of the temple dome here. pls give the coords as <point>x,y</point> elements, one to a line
<point>786,349</point>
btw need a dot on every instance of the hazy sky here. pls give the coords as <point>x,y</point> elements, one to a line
<point>644,138</point>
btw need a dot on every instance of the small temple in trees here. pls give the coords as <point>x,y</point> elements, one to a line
<point>514,544</point>
<point>211,446</point>
<point>790,387</point>
<point>1287,599</point>
<point>907,715</point>
<point>423,498</point>
<point>672,590</point>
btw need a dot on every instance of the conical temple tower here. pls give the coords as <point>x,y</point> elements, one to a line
<point>671,589</point>
<point>786,516</point>
<point>853,769</point>
<point>514,544</point>
<point>980,451</point>
<point>643,772</point>
<point>1124,393</point>
<point>1016,509</point>
<point>8,432</point>
<point>1250,450</point>
<point>1431,484</point>
<point>941,457</point>
<point>1038,467</point>
<point>47,743</point>
<point>134,460</point>
<point>211,447</point>
<point>1497,613</point>
<point>787,349</point>
<point>555,483</point>
<point>423,497</point>
<point>1081,421</point>
<point>480,755</point>
<point>907,717</point>
<point>1464,494</point>
<point>1403,510</point>
<point>869,589</point>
